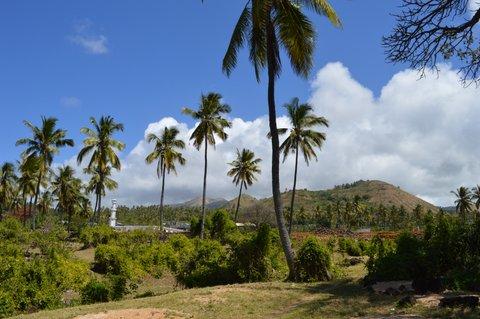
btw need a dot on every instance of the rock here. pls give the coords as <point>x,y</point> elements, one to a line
<point>429,301</point>
<point>407,301</point>
<point>462,301</point>
<point>392,287</point>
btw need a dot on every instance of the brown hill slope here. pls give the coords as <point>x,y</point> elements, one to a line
<point>371,192</point>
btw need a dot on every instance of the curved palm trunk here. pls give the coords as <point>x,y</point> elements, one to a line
<point>238,201</point>
<point>272,116</point>
<point>161,197</point>
<point>202,225</point>
<point>290,222</point>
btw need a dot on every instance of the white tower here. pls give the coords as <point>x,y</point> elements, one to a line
<point>113,214</point>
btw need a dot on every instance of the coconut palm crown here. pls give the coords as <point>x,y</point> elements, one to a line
<point>44,144</point>
<point>211,124</point>
<point>166,153</point>
<point>244,170</point>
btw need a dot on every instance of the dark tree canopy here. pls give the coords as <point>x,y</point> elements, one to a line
<point>431,31</point>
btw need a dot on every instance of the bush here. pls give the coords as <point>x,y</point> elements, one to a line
<point>350,246</point>
<point>217,225</point>
<point>95,291</point>
<point>97,235</point>
<point>7,304</point>
<point>208,266</point>
<point>113,260</point>
<point>314,261</point>
<point>250,260</point>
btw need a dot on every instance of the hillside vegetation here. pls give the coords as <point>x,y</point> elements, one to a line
<point>372,193</point>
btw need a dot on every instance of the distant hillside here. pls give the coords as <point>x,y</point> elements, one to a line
<point>370,192</point>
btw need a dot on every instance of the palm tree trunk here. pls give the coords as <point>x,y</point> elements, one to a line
<point>202,225</point>
<point>238,201</point>
<point>37,191</point>
<point>272,116</point>
<point>99,207</point>
<point>290,222</point>
<point>161,198</point>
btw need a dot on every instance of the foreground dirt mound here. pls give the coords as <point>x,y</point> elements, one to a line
<point>145,313</point>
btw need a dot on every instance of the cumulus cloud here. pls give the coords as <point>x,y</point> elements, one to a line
<point>90,40</point>
<point>70,102</point>
<point>421,135</point>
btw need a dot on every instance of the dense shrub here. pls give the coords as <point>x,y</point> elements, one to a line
<point>250,258</point>
<point>113,260</point>
<point>314,261</point>
<point>13,231</point>
<point>208,266</point>
<point>218,225</point>
<point>352,247</point>
<point>447,256</point>
<point>95,291</point>
<point>97,235</point>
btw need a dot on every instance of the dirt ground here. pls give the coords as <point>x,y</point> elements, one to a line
<point>146,313</point>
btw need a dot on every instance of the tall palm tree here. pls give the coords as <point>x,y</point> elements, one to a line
<point>67,190</point>
<point>211,124</point>
<point>166,153</point>
<point>463,203</point>
<point>244,168</point>
<point>266,26</point>
<point>302,138</point>
<point>44,144</point>
<point>8,180</point>
<point>476,198</point>
<point>99,142</point>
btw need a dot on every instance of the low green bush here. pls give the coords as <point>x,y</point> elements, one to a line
<point>97,235</point>
<point>313,261</point>
<point>114,260</point>
<point>95,291</point>
<point>208,265</point>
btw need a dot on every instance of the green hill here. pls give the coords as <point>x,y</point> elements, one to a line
<point>371,193</point>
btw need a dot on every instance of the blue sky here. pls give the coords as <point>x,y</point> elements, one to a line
<point>140,61</point>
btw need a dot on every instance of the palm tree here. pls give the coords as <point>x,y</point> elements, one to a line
<point>29,169</point>
<point>100,143</point>
<point>463,203</point>
<point>302,138</point>
<point>67,190</point>
<point>166,154</point>
<point>244,168</point>
<point>476,198</point>
<point>8,181</point>
<point>211,124</point>
<point>44,144</point>
<point>267,26</point>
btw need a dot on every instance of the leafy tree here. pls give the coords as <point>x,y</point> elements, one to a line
<point>244,168</point>
<point>301,138</point>
<point>211,124</point>
<point>463,203</point>
<point>43,145</point>
<point>99,142</point>
<point>8,180</point>
<point>266,26</point>
<point>28,168</point>
<point>166,154</point>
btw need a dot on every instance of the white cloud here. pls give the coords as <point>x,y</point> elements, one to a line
<point>86,37</point>
<point>419,134</point>
<point>70,102</point>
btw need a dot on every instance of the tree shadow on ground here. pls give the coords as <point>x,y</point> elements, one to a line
<point>342,299</point>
